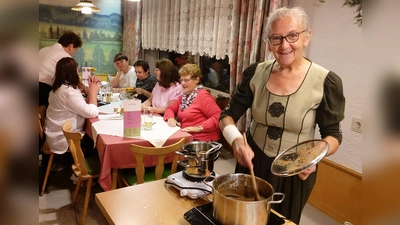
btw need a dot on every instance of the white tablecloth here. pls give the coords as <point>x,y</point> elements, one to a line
<point>114,125</point>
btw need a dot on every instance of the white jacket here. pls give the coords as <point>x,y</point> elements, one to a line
<point>65,104</point>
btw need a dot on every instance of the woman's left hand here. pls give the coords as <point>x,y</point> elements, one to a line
<point>192,129</point>
<point>304,175</point>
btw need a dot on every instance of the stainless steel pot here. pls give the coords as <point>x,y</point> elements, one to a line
<point>199,158</point>
<point>234,200</point>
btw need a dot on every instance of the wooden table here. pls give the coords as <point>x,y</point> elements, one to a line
<point>148,203</point>
<point>114,153</point>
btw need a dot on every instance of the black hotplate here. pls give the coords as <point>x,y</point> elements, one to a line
<point>203,215</point>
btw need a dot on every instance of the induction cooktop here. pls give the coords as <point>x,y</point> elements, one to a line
<point>203,215</point>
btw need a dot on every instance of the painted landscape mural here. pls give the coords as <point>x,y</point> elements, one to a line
<point>101,33</point>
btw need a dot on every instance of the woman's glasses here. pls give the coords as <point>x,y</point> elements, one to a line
<point>290,38</point>
<point>185,80</point>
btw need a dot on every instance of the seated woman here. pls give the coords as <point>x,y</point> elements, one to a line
<point>145,82</point>
<point>126,76</point>
<point>167,89</point>
<point>67,103</point>
<point>196,109</point>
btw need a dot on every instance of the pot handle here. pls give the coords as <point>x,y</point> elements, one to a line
<point>187,157</point>
<point>276,201</point>
<point>206,182</point>
<point>216,146</point>
<point>184,164</point>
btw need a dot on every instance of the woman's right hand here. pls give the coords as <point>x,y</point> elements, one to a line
<point>93,85</point>
<point>243,153</point>
<point>172,122</point>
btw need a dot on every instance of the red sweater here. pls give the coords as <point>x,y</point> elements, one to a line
<point>202,112</point>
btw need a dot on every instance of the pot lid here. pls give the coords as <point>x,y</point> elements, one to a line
<point>299,157</point>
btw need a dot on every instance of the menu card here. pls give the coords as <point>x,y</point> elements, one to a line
<point>132,117</point>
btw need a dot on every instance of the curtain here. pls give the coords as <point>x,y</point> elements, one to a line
<point>197,26</point>
<point>248,43</point>
<point>132,30</point>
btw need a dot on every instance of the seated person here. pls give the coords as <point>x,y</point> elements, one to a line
<point>196,109</point>
<point>126,76</point>
<point>67,103</point>
<point>145,82</point>
<point>167,89</point>
<point>210,77</point>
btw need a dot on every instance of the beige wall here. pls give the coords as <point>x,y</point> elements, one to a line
<point>336,44</point>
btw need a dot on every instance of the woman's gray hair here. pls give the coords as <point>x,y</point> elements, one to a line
<point>285,11</point>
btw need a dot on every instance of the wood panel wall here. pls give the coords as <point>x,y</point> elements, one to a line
<point>338,192</point>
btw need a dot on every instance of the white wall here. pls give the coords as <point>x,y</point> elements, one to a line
<point>336,45</point>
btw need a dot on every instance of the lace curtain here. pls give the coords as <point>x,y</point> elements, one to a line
<point>195,26</point>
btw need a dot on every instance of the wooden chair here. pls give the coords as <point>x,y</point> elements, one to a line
<point>45,148</point>
<point>86,169</point>
<point>127,176</point>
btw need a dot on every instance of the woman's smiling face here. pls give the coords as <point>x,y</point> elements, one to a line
<point>288,53</point>
<point>188,83</point>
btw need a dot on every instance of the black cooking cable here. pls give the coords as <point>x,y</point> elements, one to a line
<point>201,189</point>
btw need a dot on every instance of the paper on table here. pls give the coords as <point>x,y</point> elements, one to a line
<point>157,136</point>
<point>160,132</point>
<point>114,116</point>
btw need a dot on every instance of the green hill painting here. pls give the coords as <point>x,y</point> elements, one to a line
<point>101,34</point>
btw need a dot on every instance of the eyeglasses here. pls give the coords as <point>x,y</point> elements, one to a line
<point>290,38</point>
<point>186,80</point>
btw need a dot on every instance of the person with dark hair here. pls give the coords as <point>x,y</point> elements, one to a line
<point>67,45</point>
<point>288,96</point>
<point>67,103</point>
<point>126,76</point>
<point>196,110</point>
<point>145,81</point>
<point>168,88</point>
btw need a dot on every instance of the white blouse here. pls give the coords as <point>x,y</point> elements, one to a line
<point>65,104</point>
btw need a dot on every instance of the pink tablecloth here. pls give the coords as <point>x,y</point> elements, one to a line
<point>114,152</point>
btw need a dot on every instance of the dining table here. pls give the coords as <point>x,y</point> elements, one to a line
<point>151,203</point>
<point>106,131</point>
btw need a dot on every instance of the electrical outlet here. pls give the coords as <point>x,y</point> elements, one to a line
<point>356,125</point>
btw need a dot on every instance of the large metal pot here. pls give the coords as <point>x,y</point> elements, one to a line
<point>199,158</point>
<point>234,200</point>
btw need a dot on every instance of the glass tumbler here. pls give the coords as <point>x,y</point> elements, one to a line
<point>148,118</point>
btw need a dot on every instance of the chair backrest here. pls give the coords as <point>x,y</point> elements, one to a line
<point>74,143</point>
<point>160,152</point>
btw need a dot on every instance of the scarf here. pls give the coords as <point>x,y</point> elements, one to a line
<point>187,100</point>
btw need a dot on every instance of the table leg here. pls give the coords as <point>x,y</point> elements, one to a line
<point>114,177</point>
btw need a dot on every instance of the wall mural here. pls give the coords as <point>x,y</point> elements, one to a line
<point>101,32</point>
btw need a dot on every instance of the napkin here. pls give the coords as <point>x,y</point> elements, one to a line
<point>157,136</point>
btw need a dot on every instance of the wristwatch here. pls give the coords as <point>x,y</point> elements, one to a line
<point>201,128</point>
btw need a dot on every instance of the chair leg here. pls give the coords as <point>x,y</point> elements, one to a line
<point>87,198</point>
<point>46,176</point>
<point>78,185</point>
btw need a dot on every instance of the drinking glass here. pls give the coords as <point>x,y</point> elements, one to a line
<point>148,118</point>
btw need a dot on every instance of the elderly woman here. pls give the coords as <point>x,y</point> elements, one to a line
<point>196,109</point>
<point>167,89</point>
<point>287,96</point>
<point>67,103</point>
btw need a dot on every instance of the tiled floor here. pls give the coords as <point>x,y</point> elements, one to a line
<point>55,209</point>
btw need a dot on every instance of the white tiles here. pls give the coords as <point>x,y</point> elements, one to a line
<point>312,216</point>
<point>55,200</point>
